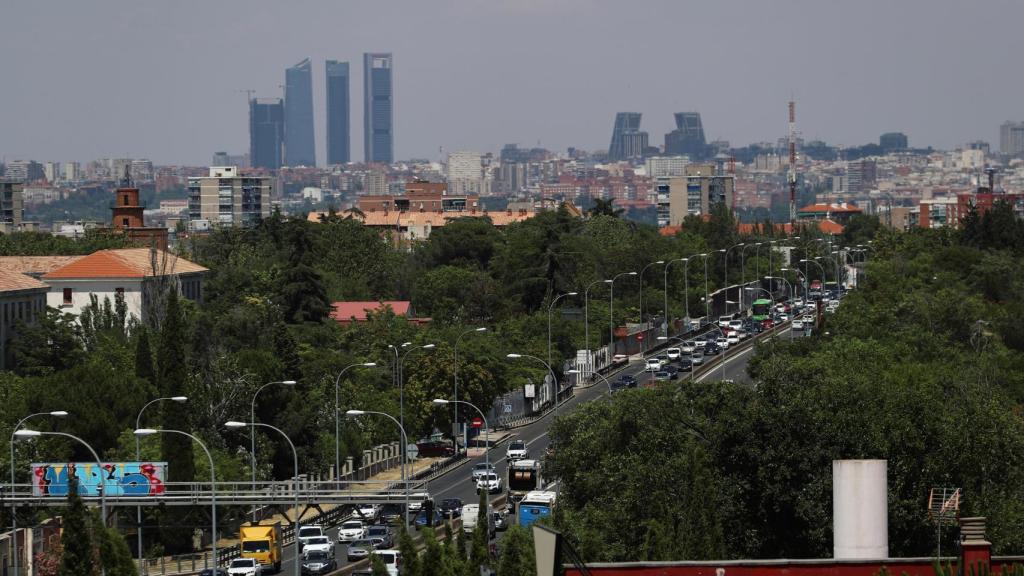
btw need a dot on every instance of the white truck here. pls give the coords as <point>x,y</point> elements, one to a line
<point>523,477</point>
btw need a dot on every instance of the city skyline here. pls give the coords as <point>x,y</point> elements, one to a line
<point>532,79</point>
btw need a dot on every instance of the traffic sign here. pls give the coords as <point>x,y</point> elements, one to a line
<point>640,337</point>
<point>477,422</point>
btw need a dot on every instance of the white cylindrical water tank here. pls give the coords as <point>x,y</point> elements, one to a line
<point>860,509</point>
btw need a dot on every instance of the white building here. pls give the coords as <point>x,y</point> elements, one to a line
<point>465,173</point>
<point>72,171</point>
<point>135,273</point>
<point>666,166</point>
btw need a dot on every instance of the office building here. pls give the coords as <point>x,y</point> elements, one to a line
<point>694,193</point>
<point>225,159</point>
<point>12,206</point>
<point>465,173</point>
<point>226,198</point>
<point>51,171</point>
<point>893,142</point>
<point>627,139</point>
<point>266,133</point>
<point>688,137</point>
<point>378,108</point>
<point>1011,138</point>
<point>299,149</point>
<point>338,131</point>
<point>24,171</point>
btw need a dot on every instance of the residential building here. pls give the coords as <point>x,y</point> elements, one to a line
<point>688,137</point>
<point>136,274</point>
<point>627,139</point>
<point>836,212</point>
<point>345,313</point>
<point>861,176</point>
<point>299,149</point>
<point>465,173</point>
<point>893,142</point>
<point>666,166</point>
<point>22,301</point>
<point>378,108</point>
<point>51,171</point>
<point>24,171</point>
<point>12,206</point>
<point>72,171</point>
<point>695,193</point>
<point>338,127</point>
<point>376,183</point>
<point>226,198</point>
<point>1011,138</point>
<point>266,133</point>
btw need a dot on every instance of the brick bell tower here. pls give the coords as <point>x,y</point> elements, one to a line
<point>127,216</point>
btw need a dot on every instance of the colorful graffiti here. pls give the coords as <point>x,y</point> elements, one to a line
<point>113,478</point>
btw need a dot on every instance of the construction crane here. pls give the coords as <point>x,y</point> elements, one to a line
<point>792,161</point>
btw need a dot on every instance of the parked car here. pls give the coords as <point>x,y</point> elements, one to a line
<point>351,530</point>
<point>451,507</point>
<point>359,549</point>
<point>315,563</point>
<point>245,567</point>
<point>516,450</point>
<point>672,353</point>
<point>481,469</point>
<point>383,533</point>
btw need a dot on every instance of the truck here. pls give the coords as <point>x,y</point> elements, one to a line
<point>534,506</point>
<point>262,542</point>
<point>523,477</point>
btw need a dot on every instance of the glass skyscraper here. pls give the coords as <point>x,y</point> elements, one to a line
<point>688,137</point>
<point>627,139</point>
<point>299,149</point>
<point>378,108</point>
<point>266,132</point>
<point>337,113</point>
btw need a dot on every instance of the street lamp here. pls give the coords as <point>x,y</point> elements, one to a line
<point>487,429</point>
<point>554,380</point>
<point>401,397</point>
<point>337,408</point>
<point>234,425</point>
<point>14,510</point>
<point>138,458</point>
<point>789,291</point>
<point>586,317</point>
<point>642,270</point>
<point>140,432</point>
<point>743,260</point>
<point>667,266</point>
<point>455,421</point>
<point>725,352</point>
<point>25,433</point>
<point>611,309</point>
<point>252,437</point>
<point>550,308</point>
<point>726,268</point>
<point>707,301</point>
<point>405,443</point>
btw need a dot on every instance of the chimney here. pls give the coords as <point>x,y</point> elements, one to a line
<point>974,549</point>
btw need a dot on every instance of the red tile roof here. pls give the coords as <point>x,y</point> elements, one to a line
<point>349,311</point>
<point>13,281</point>
<point>35,264</point>
<point>825,207</point>
<point>124,263</point>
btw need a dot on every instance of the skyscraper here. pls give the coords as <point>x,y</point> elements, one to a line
<point>378,108</point>
<point>1011,138</point>
<point>688,137</point>
<point>893,141</point>
<point>338,130</point>
<point>299,149</point>
<point>627,137</point>
<point>266,132</point>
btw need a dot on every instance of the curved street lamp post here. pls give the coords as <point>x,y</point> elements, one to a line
<point>14,510</point>
<point>405,442</point>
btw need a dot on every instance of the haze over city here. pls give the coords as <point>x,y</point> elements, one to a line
<point>166,80</point>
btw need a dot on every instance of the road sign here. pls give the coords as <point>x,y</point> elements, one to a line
<point>640,337</point>
<point>477,422</point>
<point>508,408</point>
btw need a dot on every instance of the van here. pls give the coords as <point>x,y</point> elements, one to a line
<point>723,321</point>
<point>392,560</point>
<point>469,519</point>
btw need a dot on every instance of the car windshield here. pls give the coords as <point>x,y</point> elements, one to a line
<point>490,477</point>
<point>318,540</point>
<point>256,546</point>
<point>517,445</point>
<point>243,563</point>
<point>482,466</point>
<point>352,525</point>
<point>363,544</point>
<point>378,530</point>
<point>316,556</point>
<point>310,531</point>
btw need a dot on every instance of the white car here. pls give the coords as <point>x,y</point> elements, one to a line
<point>351,530</point>
<point>672,353</point>
<point>516,450</point>
<point>490,482</point>
<point>245,567</point>
<point>798,303</point>
<point>697,357</point>
<point>723,343</point>
<point>783,317</point>
<point>319,544</point>
<point>736,325</point>
<point>307,532</point>
<point>723,321</point>
<point>368,512</point>
<point>798,325</point>
<point>653,365</point>
<point>700,342</point>
<point>481,469</point>
<point>733,337</point>
<point>392,560</point>
<point>688,347</point>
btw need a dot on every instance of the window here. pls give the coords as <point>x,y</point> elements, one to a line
<point>126,200</point>
<point>124,222</point>
<point>67,296</point>
<point>119,292</point>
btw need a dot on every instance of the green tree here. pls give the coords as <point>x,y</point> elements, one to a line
<point>144,368</point>
<point>603,207</point>
<point>377,566</point>
<point>51,345</point>
<point>479,555</point>
<point>76,537</point>
<point>517,554</point>
<point>411,565</point>
<point>114,556</point>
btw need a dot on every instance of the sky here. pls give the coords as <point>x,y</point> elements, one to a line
<point>165,80</point>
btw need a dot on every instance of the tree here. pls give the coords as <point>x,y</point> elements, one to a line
<point>377,566</point>
<point>411,565</point>
<point>51,345</point>
<point>517,554</point>
<point>114,556</point>
<point>479,555</point>
<point>76,537</point>
<point>603,207</point>
<point>144,368</point>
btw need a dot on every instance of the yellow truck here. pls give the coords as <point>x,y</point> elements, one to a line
<point>262,542</point>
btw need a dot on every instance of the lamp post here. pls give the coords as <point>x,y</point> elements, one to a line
<point>743,261</point>
<point>401,400</point>
<point>337,424</point>
<point>487,429</point>
<point>707,301</point>
<point>667,266</point>
<point>138,458</point>
<point>26,433</point>
<point>642,270</point>
<point>789,292</point>
<point>252,437</point>
<point>546,365</point>
<point>586,317</point>
<point>14,510</point>
<point>725,352</point>
<point>139,432</point>
<point>611,308</point>
<point>455,422</point>
<point>234,425</point>
<point>550,308</point>
<point>405,442</point>
<point>726,268</point>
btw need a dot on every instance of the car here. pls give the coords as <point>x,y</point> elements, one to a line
<point>732,337</point>
<point>245,567</point>
<point>368,512</point>
<point>673,372</point>
<point>628,381</point>
<point>379,531</point>
<point>736,325</point>
<point>799,303</point>
<point>662,376</point>
<point>489,482</point>
<point>688,347</point>
<point>798,325</point>
<point>663,359</point>
<point>767,324</point>
<point>451,507</point>
<point>359,549</point>
<point>319,544</point>
<point>480,469</point>
<point>392,560</point>
<point>697,357</point>
<point>315,563</point>
<point>700,342</point>
<point>390,512</point>
<point>616,386</point>
<point>743,334</point>
<point>421,519</point>
<point>685,363</point>
<point>307,532</point>
<point>723,321</point>
<point>672,353</point>
<point>516,450</point>
<point>652,365</point>
<point>832,304</point>
<point>500,520</point>
<point>351,530</point>
<point>711,349</point>
<point>722,342</point>
<point>783,317</point>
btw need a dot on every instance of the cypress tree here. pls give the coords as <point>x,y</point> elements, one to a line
<point>479,554</point>
<point>377,567</point>
<point>75,537</point>
<point>517,556</point>
<point>144,357</point>
<point>114,555</point>
<point>410,558</point>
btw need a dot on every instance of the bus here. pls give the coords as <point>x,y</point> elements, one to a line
<point>534,506</point>
<point>761,309</point>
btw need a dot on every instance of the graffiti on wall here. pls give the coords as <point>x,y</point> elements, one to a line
<point>113,478</point>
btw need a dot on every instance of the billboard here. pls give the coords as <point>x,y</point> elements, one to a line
<point>113,478</point>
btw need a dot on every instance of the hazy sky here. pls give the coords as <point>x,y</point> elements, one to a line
<point>85,79</point>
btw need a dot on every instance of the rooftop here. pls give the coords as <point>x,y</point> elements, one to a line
<point>13,281</point>
<point>124,263</point>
